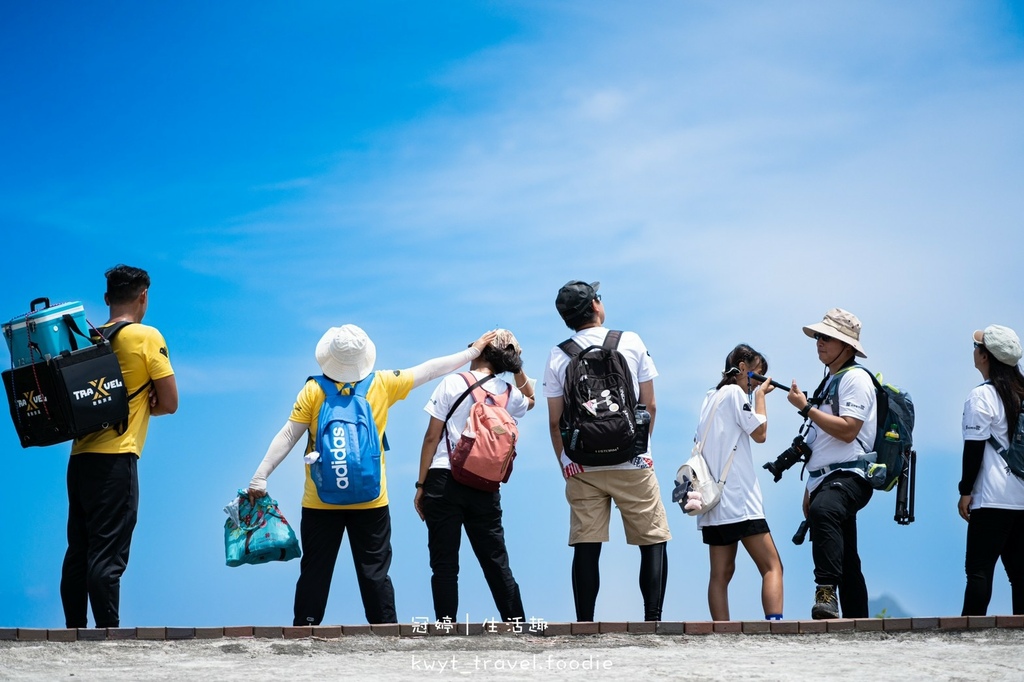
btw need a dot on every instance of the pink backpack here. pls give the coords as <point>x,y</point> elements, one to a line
<point>483,455</point>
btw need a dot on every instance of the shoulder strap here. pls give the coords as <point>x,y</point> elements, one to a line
<point>832,393</point>
<point>611,340</point>
<point>330,387</point>
<point>834,399</point>
<point>711,418</point>
<point>325,384</point>
<point>467,377</point>
<point>732,453</point>
<point>1011,430</point>
<point>570,348</point>
<point>362,387</point>
<point>109,334</point>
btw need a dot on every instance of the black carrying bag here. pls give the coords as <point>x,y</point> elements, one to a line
<point>71,395</point>
<point>598,418</point>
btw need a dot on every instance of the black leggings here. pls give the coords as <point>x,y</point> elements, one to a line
<point>993,534</point>
<point>586,578</point>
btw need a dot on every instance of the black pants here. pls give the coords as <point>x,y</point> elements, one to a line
<point>448,507</point>
<point>103,505</point>
<point>369,536</point>
<point>833,521</point>
<point>993,534</point>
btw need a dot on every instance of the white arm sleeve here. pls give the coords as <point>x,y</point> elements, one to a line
<point>432,369</point>
<point>279,448</point>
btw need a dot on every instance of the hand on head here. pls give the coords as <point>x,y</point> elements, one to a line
<point>484,340</point>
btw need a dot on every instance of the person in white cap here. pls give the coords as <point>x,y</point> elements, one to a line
<point>991,496</point>
<point>841,436</point>
<point>346,356</point>
<point>446,505</point>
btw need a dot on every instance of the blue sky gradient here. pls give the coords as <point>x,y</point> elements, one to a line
<point>729,171</point>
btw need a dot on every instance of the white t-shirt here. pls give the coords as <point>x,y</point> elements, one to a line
<point>996,486</point>
<point>445,395</point>
<point>729,431</point>
<point>857,399</point>
<point>641,367</point>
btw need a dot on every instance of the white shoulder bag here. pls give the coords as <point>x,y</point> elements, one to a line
<point>697,491</point>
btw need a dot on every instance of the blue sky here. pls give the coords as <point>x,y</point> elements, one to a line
<point>729,171</point>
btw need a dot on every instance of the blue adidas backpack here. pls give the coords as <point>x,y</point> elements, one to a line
<point>348,470</point>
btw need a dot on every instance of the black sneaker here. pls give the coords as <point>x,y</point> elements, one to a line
<point>826,605</point>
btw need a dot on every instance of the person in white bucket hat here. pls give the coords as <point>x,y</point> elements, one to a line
<point>991,496</point>
<point>347,356</point>
<point>841,418</point>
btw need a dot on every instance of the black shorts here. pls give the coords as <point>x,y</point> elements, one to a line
<point>731,533</point>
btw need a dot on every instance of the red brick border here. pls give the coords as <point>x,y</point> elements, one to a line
<point>670,628</point>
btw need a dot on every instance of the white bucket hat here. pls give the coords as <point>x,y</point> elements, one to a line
<point>1001,342</point>
<point>346,353</point>
<point>842,325</point>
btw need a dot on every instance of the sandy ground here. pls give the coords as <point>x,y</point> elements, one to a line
<point>964,655</point>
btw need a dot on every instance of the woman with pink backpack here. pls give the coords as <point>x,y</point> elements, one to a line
<point>467,453</point>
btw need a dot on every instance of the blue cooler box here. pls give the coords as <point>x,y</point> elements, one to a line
<point>48,331</point>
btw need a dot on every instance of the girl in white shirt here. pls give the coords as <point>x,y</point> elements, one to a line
<point>991,496</point>
<point>730,421</point>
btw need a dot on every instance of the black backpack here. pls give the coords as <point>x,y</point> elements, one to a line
<point>597,423</point>
<point>71,395</point>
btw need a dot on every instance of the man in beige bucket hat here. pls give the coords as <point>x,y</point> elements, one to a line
<point>841,418</point>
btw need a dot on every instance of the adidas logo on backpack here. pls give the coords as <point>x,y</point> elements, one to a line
<point>345,457</point>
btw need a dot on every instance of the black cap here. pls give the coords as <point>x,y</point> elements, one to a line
<point>574,298</point>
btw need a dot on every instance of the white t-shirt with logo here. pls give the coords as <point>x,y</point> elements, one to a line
<point>729,431</point>
<point>641,367</point>
<point>445,395</point>
<point>857,399</point>
<point>996,486</point>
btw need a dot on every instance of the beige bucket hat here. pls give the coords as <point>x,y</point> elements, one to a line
<point>842,325</point>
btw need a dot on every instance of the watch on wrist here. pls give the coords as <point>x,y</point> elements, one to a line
<point>418,485</point>
<point>805,411</point>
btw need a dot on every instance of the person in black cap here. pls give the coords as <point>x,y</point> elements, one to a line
<point>590,490</point>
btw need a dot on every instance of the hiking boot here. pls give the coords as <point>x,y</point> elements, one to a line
<point>826,605</point>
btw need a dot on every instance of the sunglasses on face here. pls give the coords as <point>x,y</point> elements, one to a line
<point>979,345</point>
<point>822,337</point>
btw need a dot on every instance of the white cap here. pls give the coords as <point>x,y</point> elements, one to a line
<point>1001,342</point>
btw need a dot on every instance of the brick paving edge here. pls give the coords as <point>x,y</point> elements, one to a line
<point>574,629</point>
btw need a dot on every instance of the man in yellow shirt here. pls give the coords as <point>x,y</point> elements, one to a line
<point>103,481</point>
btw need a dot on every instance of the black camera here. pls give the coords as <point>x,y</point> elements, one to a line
<point>799,451</point>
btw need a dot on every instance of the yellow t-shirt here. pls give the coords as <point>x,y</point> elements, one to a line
<point>142,354</point>
<point>386,389</point>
